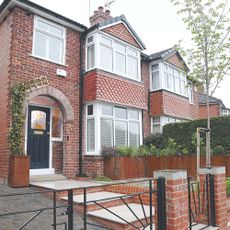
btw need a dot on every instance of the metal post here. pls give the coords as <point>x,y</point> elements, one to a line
<point>212,201</point>
<point>54,210</point>
<point>161,203</point>
<point>151,204</point>
<point>189,204</point>
<point>70,209</point>
<point>207,198</point>
<point>85,209</point>
<point>198,154</point>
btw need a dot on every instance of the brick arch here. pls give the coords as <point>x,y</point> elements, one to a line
<point>56,95</point>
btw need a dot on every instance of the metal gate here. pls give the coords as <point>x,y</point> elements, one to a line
<point>201,202</point>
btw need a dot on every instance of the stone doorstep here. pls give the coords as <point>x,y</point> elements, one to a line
<point>123,211</point>
<point>41,178</point>
<point>203,226</point>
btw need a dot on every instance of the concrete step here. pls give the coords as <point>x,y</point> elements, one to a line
<point>109,220</point>
<point>205,227</point>
<point>41,178</point>
<point>107,199</point>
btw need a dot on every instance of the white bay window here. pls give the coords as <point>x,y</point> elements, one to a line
<point>112,126</point>
<point>113,55</point>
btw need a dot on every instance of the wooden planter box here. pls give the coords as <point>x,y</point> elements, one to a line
<point>118,168</point>
<point>19,171</point>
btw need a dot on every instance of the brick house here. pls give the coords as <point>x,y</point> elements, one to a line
<point>101,89</point>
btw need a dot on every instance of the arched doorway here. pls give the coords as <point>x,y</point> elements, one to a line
<point>47,110</point>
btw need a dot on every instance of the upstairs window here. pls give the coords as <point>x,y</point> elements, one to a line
<point>113,56</point>
<point>49,41</point>
<point>155,76</point>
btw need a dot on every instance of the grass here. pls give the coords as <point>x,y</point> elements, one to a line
<point>103,179</point>
<point>228,186</point>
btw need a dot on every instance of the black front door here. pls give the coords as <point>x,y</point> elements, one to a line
<point>38,137</point>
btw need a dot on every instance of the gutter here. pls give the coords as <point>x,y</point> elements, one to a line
<point>81,88</point>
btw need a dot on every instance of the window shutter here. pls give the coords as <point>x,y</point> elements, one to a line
<point>106,132</point>
<point>91,135</point>
<point>134,134</point>
<point>121,133</point>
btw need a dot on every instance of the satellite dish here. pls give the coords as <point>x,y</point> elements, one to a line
<point>108,3</point>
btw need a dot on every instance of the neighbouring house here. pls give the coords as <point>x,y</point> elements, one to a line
<point>90,88</point>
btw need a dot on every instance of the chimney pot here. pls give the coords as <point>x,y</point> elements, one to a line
<point>101,9</point>
<point>107,12</point>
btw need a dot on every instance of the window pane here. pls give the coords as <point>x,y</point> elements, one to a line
<point>156,120</point>
<point>134,134</point>
<point>106,132</point>
<point>133,67</point>
<point>38,120</point>
<point>120,113</point>
<point>134,114</point>
<point>177,85</point>
<point>121,133</point>
<point>183,89</point>
<point>90,57</point>
<point>154,67</point>
<point>55,50</point>
<point>106,58</point>
<point>49,28</point>
<point>107,110</point>
<point>155,80</point>
<point>56,123</point>
<point>90,135</point>
<point>90,110</point>
<point>156,129</point>
<point>120,63</point>
<point>119,47</point>
<point>40,44</point>
<point>171,82</point>
<point>106,41</point>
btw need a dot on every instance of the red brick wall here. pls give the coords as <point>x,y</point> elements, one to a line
<point>93,166</point>
<point>103,86</point>
<point>26,67</point>
<point>163,102</point>
<point>5,49</point>
<point>121,32</point>
<point>57,148</point>
<point>214,111</point>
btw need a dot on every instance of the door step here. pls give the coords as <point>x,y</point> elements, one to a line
<point>205,227</point>
<point>51,177</point>
<point>109,220</point>
<point>107,199</point>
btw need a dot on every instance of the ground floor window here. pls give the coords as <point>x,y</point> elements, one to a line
<point>159,121</point>
<point>112,126</point>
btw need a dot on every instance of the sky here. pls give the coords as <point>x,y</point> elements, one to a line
<point>155,21</point>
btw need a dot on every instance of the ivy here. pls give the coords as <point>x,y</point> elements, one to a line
<point>18,93</point>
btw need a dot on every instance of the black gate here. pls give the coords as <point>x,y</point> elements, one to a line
<point>201,202</point>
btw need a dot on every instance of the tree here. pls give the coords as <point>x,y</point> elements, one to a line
<point>209,58</point>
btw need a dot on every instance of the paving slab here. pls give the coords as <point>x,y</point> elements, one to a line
<point>203,226</point>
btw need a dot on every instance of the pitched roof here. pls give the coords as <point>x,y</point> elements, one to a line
<point>8,4</point>
<point>165,54</point>
<point>113,20</point>
<point>212,100</point>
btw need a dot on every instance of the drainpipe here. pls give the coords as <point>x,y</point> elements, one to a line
<point>81,88</point>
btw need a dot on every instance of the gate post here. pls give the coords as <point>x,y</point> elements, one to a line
<point>218,196</point>
<point>161,204</point>
<point>176,187</point>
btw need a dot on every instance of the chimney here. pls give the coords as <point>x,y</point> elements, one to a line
<point>99,16</point>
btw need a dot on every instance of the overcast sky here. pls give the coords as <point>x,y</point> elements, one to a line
<point>155,21</point>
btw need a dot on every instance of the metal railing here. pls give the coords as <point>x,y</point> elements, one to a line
<point>147,221</point>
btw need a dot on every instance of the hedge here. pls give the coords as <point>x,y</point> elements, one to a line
<point>184,133</point>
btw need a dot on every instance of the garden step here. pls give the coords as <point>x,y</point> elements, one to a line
<point>109,220</point>
<point>107,199</point>
<point>203,226</point>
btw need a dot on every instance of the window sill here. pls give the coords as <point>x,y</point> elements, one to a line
<point>47,60</point>
<point>93,154</point>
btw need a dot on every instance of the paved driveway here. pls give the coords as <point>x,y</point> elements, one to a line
<point>29,202</point>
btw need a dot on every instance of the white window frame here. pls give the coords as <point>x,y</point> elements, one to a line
<point>162,78</point>
<point>97,42</point>
<point>97,116</point>
<point>63,38</point>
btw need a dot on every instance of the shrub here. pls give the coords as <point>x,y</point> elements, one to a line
<point>219,149</point>
<point>154,139</point>
<point>143,150</point>
<point>127,151</point>
<point>108,151</point>
<point>103,178</point>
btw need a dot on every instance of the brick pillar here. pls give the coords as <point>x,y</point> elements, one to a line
<point>177,215</point>
<point>220,196</point>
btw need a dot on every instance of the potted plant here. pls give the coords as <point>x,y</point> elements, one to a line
<point>19,163</point>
